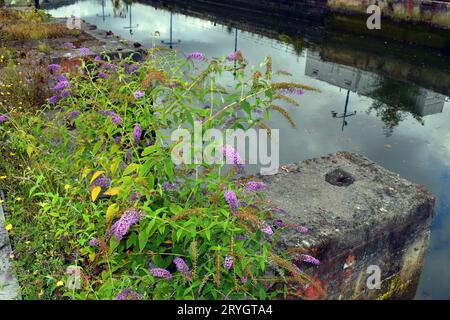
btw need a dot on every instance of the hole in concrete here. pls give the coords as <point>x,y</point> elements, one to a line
<point>340,178</point>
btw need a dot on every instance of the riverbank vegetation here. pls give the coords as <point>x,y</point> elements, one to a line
<point>98,209</point>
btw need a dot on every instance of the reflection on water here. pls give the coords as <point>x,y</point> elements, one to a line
<point>366,104</point>
<point>393,101</point>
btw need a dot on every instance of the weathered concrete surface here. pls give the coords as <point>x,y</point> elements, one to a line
<point>9,286</point>
<point>380,219</point>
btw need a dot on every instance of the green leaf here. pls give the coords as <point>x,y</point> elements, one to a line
<point>175,208</point>
<point>143,239</point>
<point>131,168</point>
<point>148,150</point>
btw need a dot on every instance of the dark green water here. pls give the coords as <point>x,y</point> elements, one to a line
<point>401,125</point>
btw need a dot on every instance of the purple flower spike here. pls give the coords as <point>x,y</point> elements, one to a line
<point>138,94</point>
<point>61,85</point>
<point>120,228</point>
<point>127,294</point>
<point>302,229</point>
<point>117,140</point>
<point>182,267</point>
<point>232,200</point>
<point>73,115</point>
<point>84,51</point>
<point>267,230</point>
<point>94,242</point>
<point>102,75</point>
<point>228,263</point>
<point>232,156</point>
<point>196,56</point>
<point>232,56</point>
<point>137,134</point>
<point>3,118</point>
<point>62,77</point>
<point>64,94</point>
<point>54,67</point>
<point>116,119</point>
<point>53,99</point>
<point>161,273</point>
<point>278,223</point>
<point>254,186</point>
<point>309,259</point>
<point>244,279</point>
<point>132,68</point>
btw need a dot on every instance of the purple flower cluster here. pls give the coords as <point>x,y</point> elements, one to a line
<point>242,237</point>
<point>307,258</point>
<point>232,56</point>
<point>118,139</point>
<point>232,200</point>
<point>254,186</point>
<point>102,75</point>
<point>3,118</point>
<point>244,279</point>
<point>53,67</point>
<point>115,118</point>
<point>102,182</point>
<point>61,85</point>
<point>196,56</point>
<point>167,186</point>
<point>127,294</point>
<point>137,134</point>
<point>128,218</point>
<point>182,267</point>
<point>62,82</point>
<point>138,94</point>
<point>278,223</point>
<point>98,58</point>
<point>84,51</point>
<point>94,242</point>
<point>267,230</point>
<point>232,156</point>
<point>131,69</point>
<point>228,263</point>
<point>302,229</point>
<point>161,273</point>
<point>73,115</point>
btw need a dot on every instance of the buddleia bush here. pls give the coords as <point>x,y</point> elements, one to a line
<point>100,194</point>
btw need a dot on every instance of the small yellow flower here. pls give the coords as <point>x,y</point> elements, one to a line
<point>19,199</point>
<point>60,283</point>
<point>9,227</point>
<point>12,154</point>
<point>67,186</point>
<point>3,177</point>
<point>2,201</point>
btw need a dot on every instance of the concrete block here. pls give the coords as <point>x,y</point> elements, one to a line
<point>359,215</point>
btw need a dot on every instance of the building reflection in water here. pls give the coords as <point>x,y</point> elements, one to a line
<point>393,99</point>
<point>130,27</point>
<point>170,43</point>
<point>103,15</point>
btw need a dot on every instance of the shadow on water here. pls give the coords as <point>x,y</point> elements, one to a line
<point>381,98</point>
